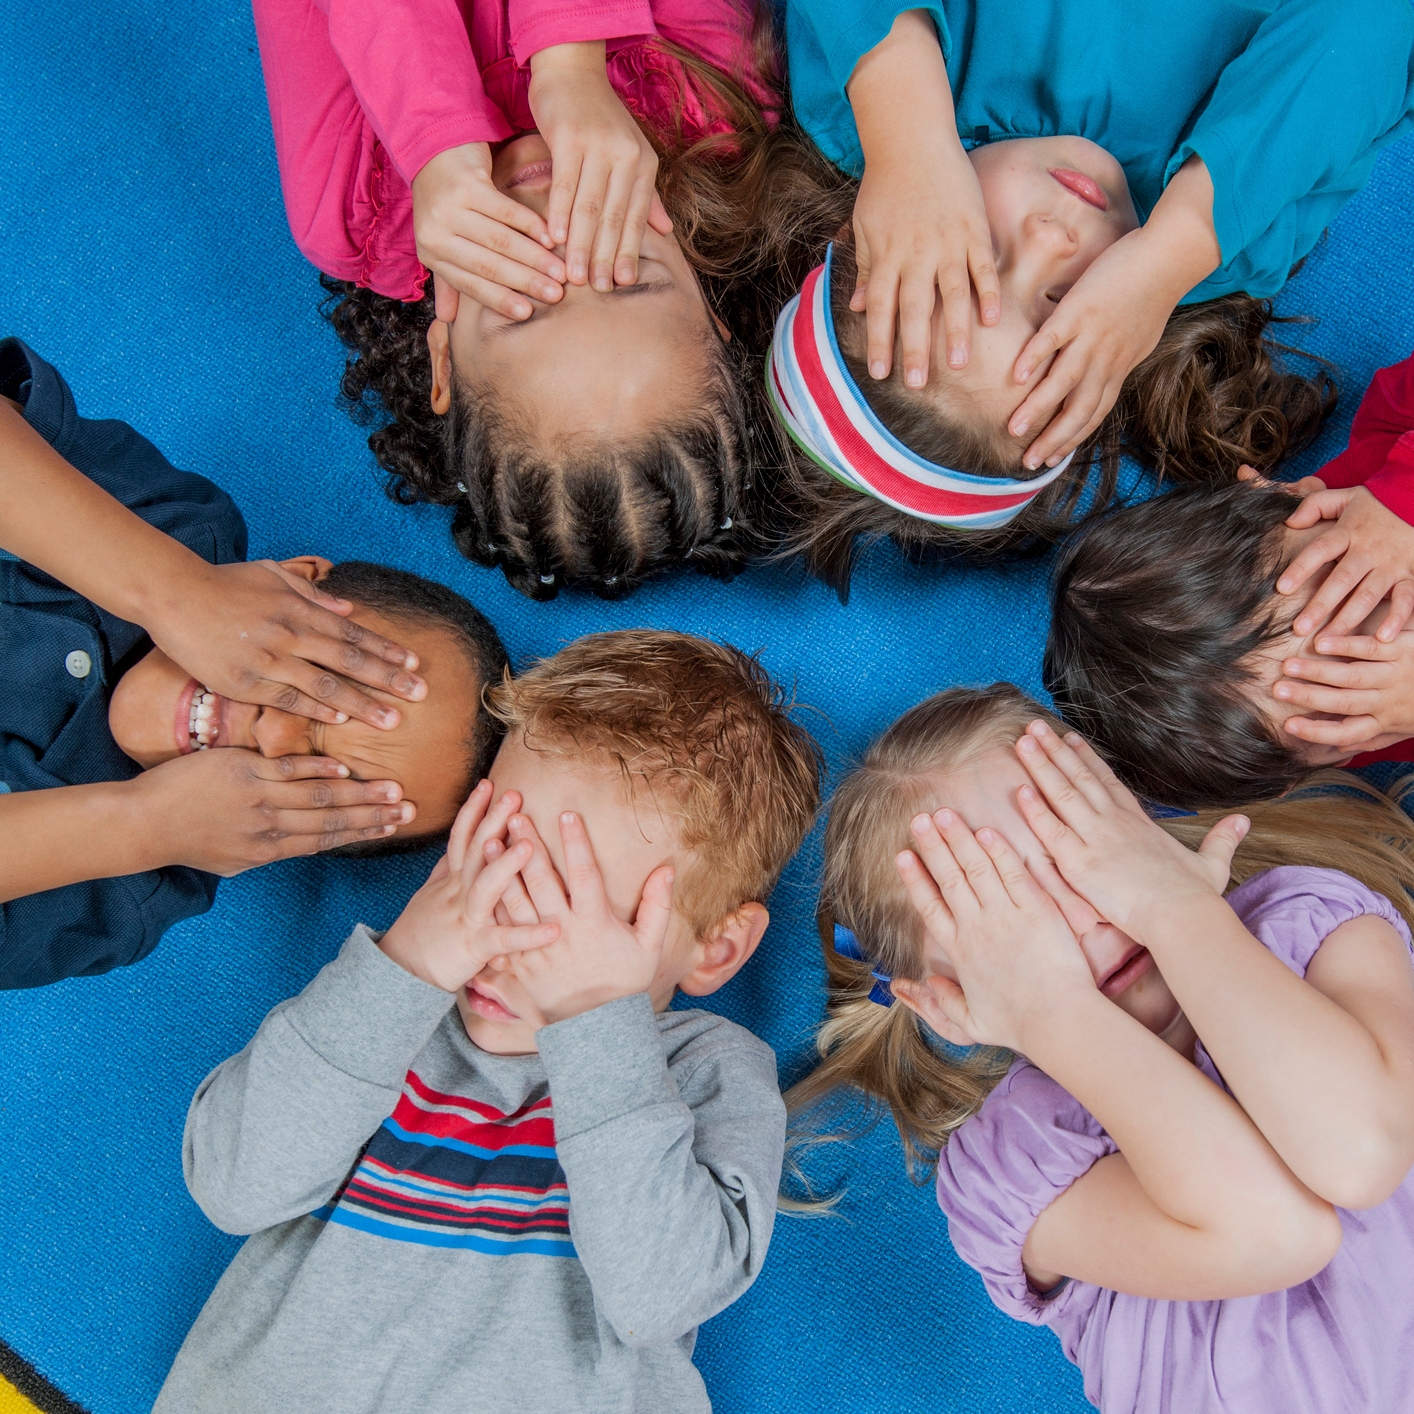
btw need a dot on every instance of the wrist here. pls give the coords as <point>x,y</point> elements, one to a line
<point>139,822</point>
<point>1180,231</point>
<point>584,56</point>
<point>1154,921</point>
<point>400,944</point>
<point>169,590</point>
<point>568,1007</point>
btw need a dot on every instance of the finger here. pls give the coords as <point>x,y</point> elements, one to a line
<point>475,232</point>
<point>921,886</point>
<point>311,823</point>
<point>1250,473</point>
<point>294,768</point>
<point>1324,548</point>
<point>589,200</point>
<point>298,845</point>
<point>880,308</point>
<point>1049,339</point>
<point>497,819</point>
<point>445,299</point>
<point>916,297</point>
<point>515,903</point>
<point>1339,702</point>
<point>484,892</point>
<point>541,878</point>
<point>582,876</point>
<point>1357,646</point>
<point>507,211</point>
<point>1364,673</point>
<point>1345,732</point>
<point>310,691</point>
<point>500,298</point>
<point>1220,843</point>
<point>658,217</point>
<point>618,195</point>
<point>1401,607</point>
<point>1100,769</point>
<point>955,288</point>
<point>1306,486</point>
<point>1067,782</point>
<point>972,859</point>
<point>564,183</point>
<point>635,222</point>
<point>1043,402</point>
<point>469,817</point>
<point>1341,581</point>
<point>1362,602</point>
<point>940,1003</point>
<point>1084,410</point>
<point>473,256</point>
<point>362,656</point>
<point>1016,879</point>
<point>1318,506</point>
<point>655,909</point>
<point>982,263</point>
<point>322,794</point>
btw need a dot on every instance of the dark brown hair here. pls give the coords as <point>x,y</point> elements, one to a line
<point>1212,395</point>
<point>1158,611</point>
<point>603,518</point>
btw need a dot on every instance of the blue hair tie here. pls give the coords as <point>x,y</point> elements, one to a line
<point>1155,811</point>
<point>847,945</point>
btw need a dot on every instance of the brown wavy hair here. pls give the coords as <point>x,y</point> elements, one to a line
<point>1214,394</point>
<point>606,518</point>
<point>885,1056</point>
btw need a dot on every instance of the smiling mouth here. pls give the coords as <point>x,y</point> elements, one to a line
<point>1086,188</point>
<point>528,176</point>
<point>1134,966</point>
<point>197,721</point>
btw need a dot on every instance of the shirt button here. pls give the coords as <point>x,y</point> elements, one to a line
<point>78,663</point>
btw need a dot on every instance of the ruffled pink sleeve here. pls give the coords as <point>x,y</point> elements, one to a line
<point>539,24</point>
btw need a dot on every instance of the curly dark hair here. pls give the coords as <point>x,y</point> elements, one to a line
<point>1158,610</point>
<point>1212,395</point>
<point>604,518</point>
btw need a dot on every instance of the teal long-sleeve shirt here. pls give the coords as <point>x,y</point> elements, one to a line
<point>1287,103</point>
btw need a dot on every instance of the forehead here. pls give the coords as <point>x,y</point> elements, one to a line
<point>983,792</point>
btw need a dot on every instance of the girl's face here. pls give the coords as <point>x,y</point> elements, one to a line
<point>1053,204</point>
<point>597,366</point>
<point>983,792</point>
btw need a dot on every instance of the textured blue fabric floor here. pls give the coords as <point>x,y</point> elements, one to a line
<point>143,250</point>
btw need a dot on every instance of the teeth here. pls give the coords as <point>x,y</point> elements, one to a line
<point>201,723</point>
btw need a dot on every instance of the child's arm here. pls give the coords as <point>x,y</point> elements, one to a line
<point>1325,1066</point>
<point>221,811</point>
<point>1196,1205</point>
<point>274,1131</point>
<point>1294,119</point>
<point>250,631</point>
<point>920,227</point>
<point>672,1177</point>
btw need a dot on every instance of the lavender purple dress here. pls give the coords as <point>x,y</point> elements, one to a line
<point>1341,1343</point>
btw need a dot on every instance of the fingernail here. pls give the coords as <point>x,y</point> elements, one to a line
<point>604,284</point>
<point>1028,793</point>
<point>1072,738</point>
<point>341,770</point>
<point>957,357</point>
<point>1053,460</point>
<point>390,792</point>
<point>669,876</point>
<point>1019,430</point>
<point>567,817</point>
<point>1031,463</point>
<point>577,271</point>
<point>625,274</point>
<point>876,369</point>
<point>388,718</point>
<point>340,717</point>
<point>919,824</point>
<point>1284,586</point>
<point>945,818</point>
<point>1303,625</point>
<point>985,836</point>
<point>1030,744</point>
<point>914,377</point>
<point>521,311</point>
<point>1283,691</point>
<point>388,829</point>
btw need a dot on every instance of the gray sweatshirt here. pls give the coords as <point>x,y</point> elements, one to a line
<point>441,1229</point>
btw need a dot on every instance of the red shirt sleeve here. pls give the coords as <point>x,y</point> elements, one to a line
<point>1380,456</point>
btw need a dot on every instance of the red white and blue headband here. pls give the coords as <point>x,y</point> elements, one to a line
<point>827,417</point>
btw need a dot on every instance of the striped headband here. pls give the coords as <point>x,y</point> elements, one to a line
<point>827,417</point>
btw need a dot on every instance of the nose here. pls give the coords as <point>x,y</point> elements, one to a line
<point>1045,234</point>
<point>282,734</point>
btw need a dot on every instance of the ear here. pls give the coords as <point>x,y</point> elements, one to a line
<point>310,567</point>
<point>439,346</point>
<point>726,952</point>
<point>722,328</point>
<point>921,999</point>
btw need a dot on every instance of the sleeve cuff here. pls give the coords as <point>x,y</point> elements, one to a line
<point>1228,224</point>
<point>1393,484</point>
<point>487,126</point>
<point>364,1015</point>
<point>530,33</point>
<point>604,1064</point>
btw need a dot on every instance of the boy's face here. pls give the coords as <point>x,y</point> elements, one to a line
<point>630,835</point>
<point>149,718</point>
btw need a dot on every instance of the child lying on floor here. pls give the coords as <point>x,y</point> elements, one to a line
<point>136,640</point>
<point>1044,235</point>
<point>1192,639</point>
<point>484,1166</point>
<point>1191,1160</point>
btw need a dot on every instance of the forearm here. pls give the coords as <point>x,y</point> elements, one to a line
<point>900,89</point>
<point>1180,231</point>
<point>50,838</point>
<point>1310,1075</point>
<point>53,517</point>
<point>1197,1156</point>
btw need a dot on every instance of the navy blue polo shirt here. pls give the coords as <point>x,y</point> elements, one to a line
<point>62,656</point>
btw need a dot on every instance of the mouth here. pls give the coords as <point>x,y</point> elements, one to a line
<point>1135,964</point>
<point>1086,188</point>
<point>536,174</point>
<point>197,720</point>
<point>488,1006</point>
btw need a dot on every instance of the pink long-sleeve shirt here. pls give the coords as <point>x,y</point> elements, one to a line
<point>364,92</point>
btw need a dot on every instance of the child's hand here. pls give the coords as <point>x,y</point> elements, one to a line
<point>602,192</point>
<point>1374,551</point>
<point>1014,954</point>
<point>1372,698</point>
<point>449,930</point>
<point>255,632</point>
<point>920,228</point>
<point>229,810</point>
<point>1106,324</point>
<point>598,957</point>
<point>1107,849</point>
<point>479,241</point>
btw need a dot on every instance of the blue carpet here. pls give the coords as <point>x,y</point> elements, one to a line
<point>144,251</point>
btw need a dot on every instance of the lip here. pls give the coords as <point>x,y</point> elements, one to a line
<point>532,174</point>
<point>1086,188</point>
<point>487,1005</point>
<point>182,719</point>
<point>1134,966</point>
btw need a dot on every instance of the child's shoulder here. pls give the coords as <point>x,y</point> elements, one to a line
<point>691,1037</point>
<point>1293,909</point>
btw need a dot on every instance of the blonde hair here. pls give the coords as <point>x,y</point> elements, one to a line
<point>698,721</point>
<point>885,1053</point>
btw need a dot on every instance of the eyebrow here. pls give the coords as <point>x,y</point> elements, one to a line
<point>652,287</point>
